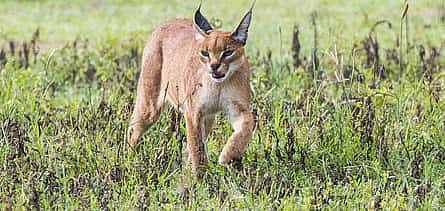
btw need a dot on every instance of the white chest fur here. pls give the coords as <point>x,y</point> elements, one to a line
<point>210,99</point>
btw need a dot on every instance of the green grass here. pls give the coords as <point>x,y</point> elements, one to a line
<point>374,140</point>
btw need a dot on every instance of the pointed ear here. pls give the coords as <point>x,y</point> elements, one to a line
<point>201,23</point>
<point>241,32</point>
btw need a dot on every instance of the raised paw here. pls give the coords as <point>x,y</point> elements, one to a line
<point>223,160</point>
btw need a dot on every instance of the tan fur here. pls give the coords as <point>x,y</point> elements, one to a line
<point>173,67</point>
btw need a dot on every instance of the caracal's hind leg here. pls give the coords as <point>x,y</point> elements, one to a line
<point>149,98</point>
<point>242,122</point>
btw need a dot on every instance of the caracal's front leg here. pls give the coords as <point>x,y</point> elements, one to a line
<point>195,145</point>
<point>206,127</point>
<point>242,122</point>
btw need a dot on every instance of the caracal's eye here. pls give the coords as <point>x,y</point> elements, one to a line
<point>204,53</point>
<point>228,53</point>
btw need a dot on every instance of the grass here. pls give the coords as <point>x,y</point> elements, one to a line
<point>359,135</point>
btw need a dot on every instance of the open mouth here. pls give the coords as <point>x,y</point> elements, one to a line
<point>218,75</point>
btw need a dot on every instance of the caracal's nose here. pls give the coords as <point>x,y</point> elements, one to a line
<point>215,66</point>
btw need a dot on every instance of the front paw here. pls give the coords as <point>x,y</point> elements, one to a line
<point>131,139</point>
<point>235,162</point>
<point>223,160</point>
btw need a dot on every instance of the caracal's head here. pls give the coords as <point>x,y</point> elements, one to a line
<point>220,52</point>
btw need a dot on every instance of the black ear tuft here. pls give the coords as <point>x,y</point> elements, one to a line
<point>241,33</point>
<point>201,23</point>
